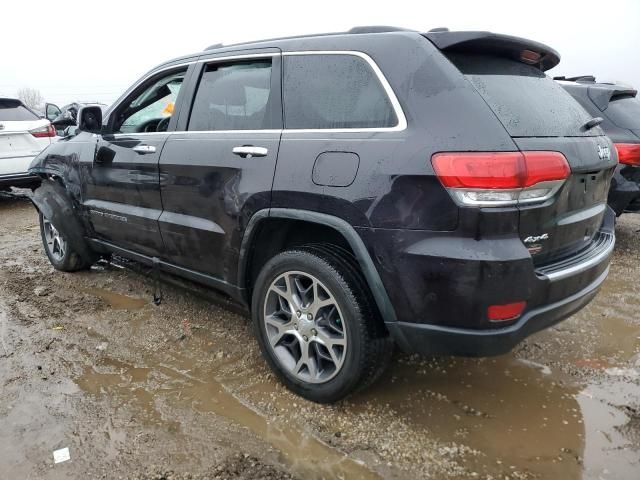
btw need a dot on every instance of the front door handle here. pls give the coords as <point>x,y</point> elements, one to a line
<point>144,149</point>
<point>248,151</point>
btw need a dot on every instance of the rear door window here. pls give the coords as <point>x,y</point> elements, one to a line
<point>525,100</point>
<point>234,97</point>
<point>624,111</point>
<point>14,111</point>
<point>327,91</point>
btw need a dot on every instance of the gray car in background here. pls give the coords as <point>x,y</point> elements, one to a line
<point>618,106</point>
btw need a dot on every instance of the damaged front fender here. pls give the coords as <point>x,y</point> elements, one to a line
<point>54,202</point>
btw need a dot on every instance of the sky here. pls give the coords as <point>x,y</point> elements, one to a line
<point>93,51</point>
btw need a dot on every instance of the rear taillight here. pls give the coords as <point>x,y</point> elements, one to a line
<point>628,153</point>
<point>46,131</point>
<point>501,178</point>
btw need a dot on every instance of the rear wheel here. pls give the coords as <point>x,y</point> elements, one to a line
<point>60,253</point>
<point>316,324</point>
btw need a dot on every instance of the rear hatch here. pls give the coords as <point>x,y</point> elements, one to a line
<point>540,116</point>
<point>18,125</point>
<point>624,111</point>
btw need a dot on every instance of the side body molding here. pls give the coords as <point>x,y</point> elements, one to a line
<point>369,271</point>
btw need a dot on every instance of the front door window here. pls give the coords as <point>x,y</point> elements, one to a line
<point>151,109</point>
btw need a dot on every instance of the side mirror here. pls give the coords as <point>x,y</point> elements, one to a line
<point>90,119</point>
<point>51,111</point>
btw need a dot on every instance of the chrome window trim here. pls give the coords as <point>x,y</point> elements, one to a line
<point>402,119</point>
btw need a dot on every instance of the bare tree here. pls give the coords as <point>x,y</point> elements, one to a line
<point>31,97</point>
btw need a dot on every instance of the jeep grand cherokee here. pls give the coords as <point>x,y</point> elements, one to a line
<point>382,186</point>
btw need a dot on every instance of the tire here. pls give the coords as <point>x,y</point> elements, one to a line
<point>60,253</point>
<point>360,345</point>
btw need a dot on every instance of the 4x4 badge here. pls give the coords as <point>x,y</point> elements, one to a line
<point>532,239</point>
<point>604,152</point>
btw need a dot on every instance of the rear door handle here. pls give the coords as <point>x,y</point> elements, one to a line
<point>248,151</point>
<point>144,149</point>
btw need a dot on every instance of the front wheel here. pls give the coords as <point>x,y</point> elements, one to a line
<point>316,324</point>
<point>60,253</point>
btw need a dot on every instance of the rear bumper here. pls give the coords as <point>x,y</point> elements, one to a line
<point>624,194</point>
<point>441,286</point>
<point>435,340</point>
<point>19,180</point>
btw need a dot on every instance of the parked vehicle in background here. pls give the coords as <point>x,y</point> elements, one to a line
<point>23,134</point>
<point>619,107</point>
<point>68,114</point>
<point>436,191</point>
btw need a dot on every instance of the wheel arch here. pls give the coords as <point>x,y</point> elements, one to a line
<point>339,226</point>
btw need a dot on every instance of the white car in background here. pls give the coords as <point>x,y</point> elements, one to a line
<point>23,134</point>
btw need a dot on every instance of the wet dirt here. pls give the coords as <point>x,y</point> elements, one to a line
<point>180,390</point>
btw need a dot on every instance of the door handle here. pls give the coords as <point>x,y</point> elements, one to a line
<point>144,149</point>
<point>248,151</point>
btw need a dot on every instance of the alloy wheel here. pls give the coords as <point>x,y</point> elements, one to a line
<point>304,327</point>
<point>56,244</point>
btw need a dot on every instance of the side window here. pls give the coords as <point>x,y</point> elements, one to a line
<point>334,91</point>
<point>151,109</point>
<point>233,97</point>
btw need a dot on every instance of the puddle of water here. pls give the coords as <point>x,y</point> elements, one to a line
<point>184,386</point>
<point>116,300</point>
<point>611,453</point>
<point>512,412</point>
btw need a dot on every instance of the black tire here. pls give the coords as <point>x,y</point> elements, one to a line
<point>369,346</point>
<point>70,261</point>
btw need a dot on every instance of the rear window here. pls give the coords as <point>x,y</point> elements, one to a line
<point>12,111</point>
<point>324,91</point>
<point>625,112</point>
<point>525,100</point>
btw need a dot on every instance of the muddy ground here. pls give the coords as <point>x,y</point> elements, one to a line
<point>180,390</point>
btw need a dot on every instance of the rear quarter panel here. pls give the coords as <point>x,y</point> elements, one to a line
<point>395,186</point>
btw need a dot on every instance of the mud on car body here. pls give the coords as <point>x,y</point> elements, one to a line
<point>448,199</point>
<point>619,108</point>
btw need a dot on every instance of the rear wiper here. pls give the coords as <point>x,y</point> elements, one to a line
<point>594,122</point>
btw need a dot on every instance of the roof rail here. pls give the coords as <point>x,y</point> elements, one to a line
<point>378,29</point>
<point>214,46</point>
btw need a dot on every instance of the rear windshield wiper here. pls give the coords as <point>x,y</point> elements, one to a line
<point>594,122</point>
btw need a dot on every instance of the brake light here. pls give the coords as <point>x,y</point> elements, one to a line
<point>628,153</point>
<point>41,132</point>
<point>505,312</point>
<point>530,57</point>
<point>501,178</point>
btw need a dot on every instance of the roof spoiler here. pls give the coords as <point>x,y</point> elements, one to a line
<point>14,102</point>
<point>578,79</point>
<point>521,49</point>
<point>601,94</point>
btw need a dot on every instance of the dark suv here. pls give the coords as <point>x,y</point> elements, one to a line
<point>354,190</point>
<point>618,106</point>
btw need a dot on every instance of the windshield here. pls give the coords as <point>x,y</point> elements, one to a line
<point>525,100</point>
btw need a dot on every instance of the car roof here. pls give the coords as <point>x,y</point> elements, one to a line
<point>600,93</point>
<point>442,38</point>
